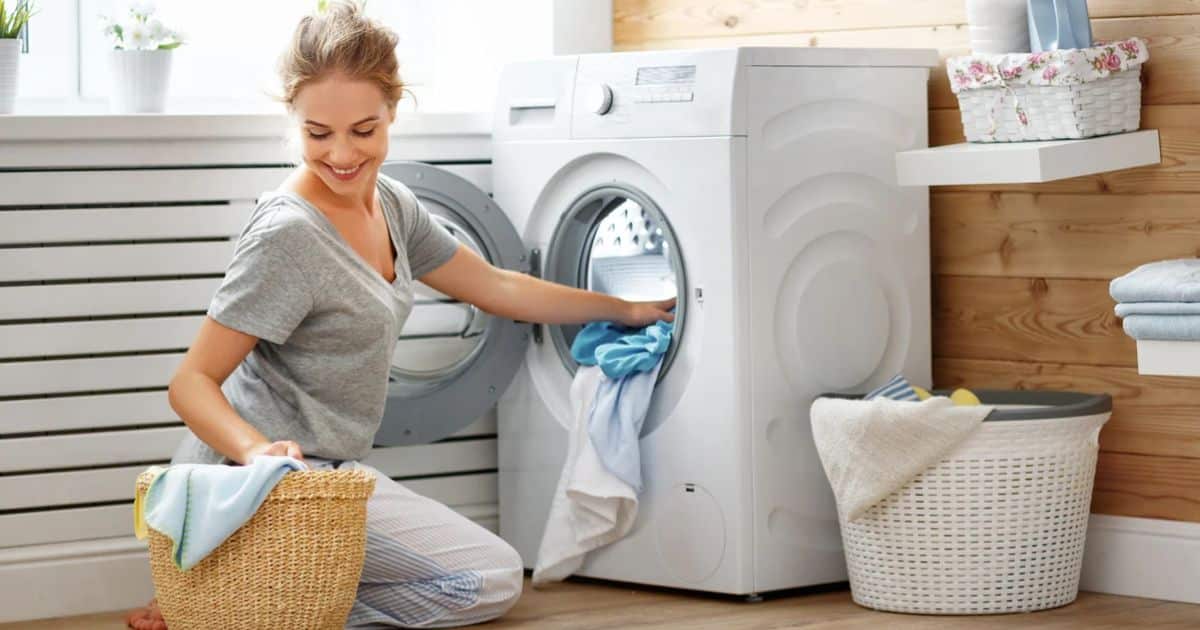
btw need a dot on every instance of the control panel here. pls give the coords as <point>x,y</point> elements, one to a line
<point>673,93</point>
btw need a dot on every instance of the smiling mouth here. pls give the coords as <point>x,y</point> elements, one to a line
<point>344,173</point>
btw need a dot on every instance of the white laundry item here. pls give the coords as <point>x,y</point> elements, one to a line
<point>591,506</point>
<point>871,448</point>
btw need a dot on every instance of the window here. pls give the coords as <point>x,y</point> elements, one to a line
<point>451,51</point>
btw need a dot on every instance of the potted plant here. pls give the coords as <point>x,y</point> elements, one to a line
<point>13,18</point>
<point>140,60</point>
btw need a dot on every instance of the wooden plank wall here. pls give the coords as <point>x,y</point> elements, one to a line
<point>1021,272</point>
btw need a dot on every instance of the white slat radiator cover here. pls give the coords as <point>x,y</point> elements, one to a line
<point>105,276</point>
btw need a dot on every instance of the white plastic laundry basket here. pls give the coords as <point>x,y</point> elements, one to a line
<point>998,526</point>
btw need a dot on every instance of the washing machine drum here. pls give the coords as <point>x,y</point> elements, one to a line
<point>452,361</point>
<point>615,239</point>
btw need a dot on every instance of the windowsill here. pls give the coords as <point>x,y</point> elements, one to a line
<point>214,126</point>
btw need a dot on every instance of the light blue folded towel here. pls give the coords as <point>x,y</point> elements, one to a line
<point>1125,309</point>
<point>198,506</point>
<point>630,359</point>
<point>1162,281</point>
<point>1163,327</point>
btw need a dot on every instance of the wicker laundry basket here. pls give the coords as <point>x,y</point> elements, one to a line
<point>1060,94</point>
<point>997,526</point>
<point>295,564</point>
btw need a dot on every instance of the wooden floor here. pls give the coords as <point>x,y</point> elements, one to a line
<point>578,605</point>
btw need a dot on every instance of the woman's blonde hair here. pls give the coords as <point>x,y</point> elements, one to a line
<point>341,39</point>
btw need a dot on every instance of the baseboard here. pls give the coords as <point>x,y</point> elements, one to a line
<point>1136,557</point>
<point>1142,557</point>
<point>68,579</point>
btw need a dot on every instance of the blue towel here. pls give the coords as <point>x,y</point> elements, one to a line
<point>896,389</point>
<point>1163,281</point>
<point>1163,327</point>
<point>630,359</point>
<point>1125,309</point>
<point>620,350</point>
<point>198,506</point>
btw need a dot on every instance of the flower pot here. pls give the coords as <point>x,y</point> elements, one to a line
<point>139,80</point>
<point>10,53</point>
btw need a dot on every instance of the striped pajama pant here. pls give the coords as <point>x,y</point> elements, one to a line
<point>426,565</point>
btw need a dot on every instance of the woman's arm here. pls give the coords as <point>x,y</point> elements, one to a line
<point>195,394</point>
<point>518,296</point>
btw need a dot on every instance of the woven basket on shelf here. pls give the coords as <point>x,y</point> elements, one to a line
<point>1057,94</point>
<point>295,564</point>
<point>1097,108</point>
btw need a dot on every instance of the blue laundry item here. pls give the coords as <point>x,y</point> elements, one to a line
<point>1058,25</point>
<point>630,359</point>
<point>620,350</point>
<point>1162,281</point>
<point>1163,327</point>
<point>198,506</point>
<point>896,389</point>
<point>1125,309</point>
<point>615,425</point>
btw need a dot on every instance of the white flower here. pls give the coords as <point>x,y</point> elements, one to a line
<point>158,32</point>
<point>142,9</point>
<point>108,27</point>
<point>137,36</point>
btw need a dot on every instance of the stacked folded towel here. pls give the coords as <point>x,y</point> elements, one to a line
<point>1160,300</point>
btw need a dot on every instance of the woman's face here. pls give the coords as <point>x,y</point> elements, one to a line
<point>343,131</point>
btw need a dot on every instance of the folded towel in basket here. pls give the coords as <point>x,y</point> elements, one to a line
<point>896,389</point>
<point>1162,281</point>
<point>198,506</point>
<point>871,448</point>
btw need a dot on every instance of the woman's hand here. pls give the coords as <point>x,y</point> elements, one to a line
<point>642,314</point>
<point>282,447</point>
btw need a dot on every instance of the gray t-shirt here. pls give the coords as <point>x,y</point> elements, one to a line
<point>326,320</point>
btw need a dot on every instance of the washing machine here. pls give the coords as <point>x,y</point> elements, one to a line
<point>758,186</point>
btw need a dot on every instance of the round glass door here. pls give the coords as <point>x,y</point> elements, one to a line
<point>614,239</point>
<point>452,361</point>
<point>442,335</point>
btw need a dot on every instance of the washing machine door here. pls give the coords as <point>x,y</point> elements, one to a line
<point>615,238</point>
<point>452,361</point>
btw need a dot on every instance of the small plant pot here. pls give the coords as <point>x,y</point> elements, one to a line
<point>139,80</point>
<point>10,55</point>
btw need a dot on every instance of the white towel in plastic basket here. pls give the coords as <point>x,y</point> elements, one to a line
<point>871,448</point>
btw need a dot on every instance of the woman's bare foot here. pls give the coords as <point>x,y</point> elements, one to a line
<point>147,618</point>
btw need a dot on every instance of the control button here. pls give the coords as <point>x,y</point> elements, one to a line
<point>600,99</point>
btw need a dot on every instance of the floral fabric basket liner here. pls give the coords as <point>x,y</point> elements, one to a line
<point>1067,67</point>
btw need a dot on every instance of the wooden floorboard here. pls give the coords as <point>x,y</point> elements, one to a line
<point>579,605</point>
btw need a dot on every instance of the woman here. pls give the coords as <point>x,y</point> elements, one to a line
<point>293,356</point>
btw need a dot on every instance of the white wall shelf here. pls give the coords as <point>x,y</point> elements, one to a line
<point>1168,358</point>
<point>1025,162</point>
